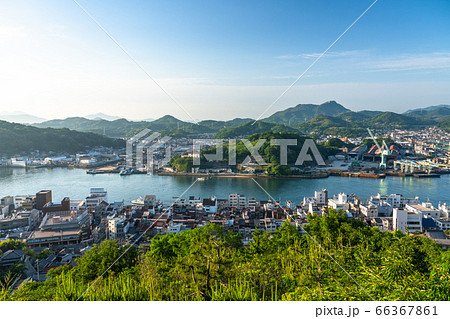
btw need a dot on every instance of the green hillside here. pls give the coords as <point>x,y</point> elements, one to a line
<point>18,138</point>
<point>123,128</point>
<point>249,128</point>
<point>445,124</point>
<point>435,114</point>
<point>305,112</point>
<point>218,125</point>
<point>356,123</point>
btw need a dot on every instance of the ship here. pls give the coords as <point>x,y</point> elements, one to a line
<point>138,202</point>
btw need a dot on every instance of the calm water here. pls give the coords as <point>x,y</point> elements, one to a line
<point>75,183</point>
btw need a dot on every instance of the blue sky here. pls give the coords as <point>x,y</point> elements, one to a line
<point>221,59</point>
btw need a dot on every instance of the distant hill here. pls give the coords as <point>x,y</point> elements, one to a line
<point>20,117</point>
<point>218,125</point>
<point>433,113</point>
<point>445,124</point>
<point>429,108</point>
<point>101,116</point>
<point>356,123</point>
<point>122,127</point>
<point>248,129</point>
<point>305,112</point>
<point>17,138</point>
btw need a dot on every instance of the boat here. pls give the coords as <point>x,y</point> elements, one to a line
<point>426,175</point>
<point>138,202</point>
<point>125,171</point>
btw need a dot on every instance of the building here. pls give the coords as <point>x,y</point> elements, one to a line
<point>210,205</point>
<point>117,227</point>
<point>8,201</point>
<point>54,207</point>
<point>12,257</point>
<point>54,238</point>
<point>442,223</point>
<point>339,202</point>
<point>150,200</point>
<point>42,198</point>
<point>96,196</point>
<point>321,197</point>
<point>369,210</point>
<point>407,221</point>
<point>237,201</point>
<point>426,209</point>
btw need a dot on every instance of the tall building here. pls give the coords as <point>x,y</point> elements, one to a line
<point>237,201</point>
<point>42,198</point>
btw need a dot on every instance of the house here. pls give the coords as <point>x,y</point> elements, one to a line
<point>369,210</point>
<point>407,221</point>
<point>209,205</point>
<point>339,202</point>
<point>12,257</point>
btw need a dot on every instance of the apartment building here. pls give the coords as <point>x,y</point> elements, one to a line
<point>237,201</point>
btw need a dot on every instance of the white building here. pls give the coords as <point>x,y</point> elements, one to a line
<point>76,205</point>
<point>444,210</point>
<point>117,227</point>
<point>321,197</point>
<point>237,201</point>
<point>369,210</point>
<point>252,202</point>
<point>96,196</point>
<point>339,202</point>
<point>406,221</point>
<point>442,223</point>
<point>426,209</point>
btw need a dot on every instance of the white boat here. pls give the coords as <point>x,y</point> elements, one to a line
<point>138,202</point>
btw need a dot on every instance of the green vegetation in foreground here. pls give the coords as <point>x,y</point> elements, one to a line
<point>18,138</point>
<point>210,264</point>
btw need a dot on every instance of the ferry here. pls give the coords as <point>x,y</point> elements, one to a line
<point>138,202</point>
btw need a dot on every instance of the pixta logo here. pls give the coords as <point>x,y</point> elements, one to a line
<point>303,156</point>
<point>139,145</point>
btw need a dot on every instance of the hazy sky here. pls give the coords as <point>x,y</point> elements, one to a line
<point>220,59</point>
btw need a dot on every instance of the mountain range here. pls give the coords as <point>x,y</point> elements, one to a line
<point>327,118</point>
<point>20,117</point>
<point>21,139</point>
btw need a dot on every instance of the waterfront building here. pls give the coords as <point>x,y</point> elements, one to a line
<point>339,202</point>
<point>62,207</point>
<point>369,210</point>
<point>237,201</point>
<point>407,221</point>
<point>42,198</point>
<point>96,196</point>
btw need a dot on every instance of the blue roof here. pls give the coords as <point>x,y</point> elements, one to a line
<point>428,223</point>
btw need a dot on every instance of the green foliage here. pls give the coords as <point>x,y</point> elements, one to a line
<point>353,124</point>
<point>249,128</point>
<point>18,138</point>
<point>208,263</point>
<point>11,244</point>
<point>305,112</point>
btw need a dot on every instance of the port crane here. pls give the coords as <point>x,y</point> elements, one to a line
<point>384,150</point>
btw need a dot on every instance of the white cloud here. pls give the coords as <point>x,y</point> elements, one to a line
<point>411,62</point>
<point>315,55</point>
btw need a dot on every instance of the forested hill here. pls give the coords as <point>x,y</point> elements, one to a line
<point>17,138</point>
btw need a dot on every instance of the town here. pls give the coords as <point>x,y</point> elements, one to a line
<point>60,231</point>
